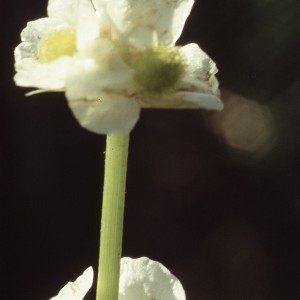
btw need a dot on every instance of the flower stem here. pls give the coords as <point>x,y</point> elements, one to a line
<point>112,216</point>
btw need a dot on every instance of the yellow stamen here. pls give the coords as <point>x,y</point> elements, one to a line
<point>158,70</point>
<point>56,44</point>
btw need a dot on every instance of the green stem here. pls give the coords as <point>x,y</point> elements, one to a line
<point>112,216</point>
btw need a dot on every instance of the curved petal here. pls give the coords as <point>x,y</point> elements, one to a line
<point>143,278</point>
<point>199,64</point>
<point>29,45</point>
<point>144,23</point>
<point>76,290</point>
<point>200,72</point>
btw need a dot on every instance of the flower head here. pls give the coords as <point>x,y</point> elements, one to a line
<point>116,57</point>
<point>76,290</point>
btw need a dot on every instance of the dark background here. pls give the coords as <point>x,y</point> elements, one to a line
<point>213,196</point>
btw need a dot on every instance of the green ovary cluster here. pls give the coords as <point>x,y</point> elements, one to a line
<point>158,70</point>
<point>56,44</point>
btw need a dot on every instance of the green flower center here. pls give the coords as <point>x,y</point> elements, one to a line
<point>158,70</point>
<point>56,44</point>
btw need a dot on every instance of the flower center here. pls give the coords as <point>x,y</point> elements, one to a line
<point>158,70</point>
<point>56,44</point>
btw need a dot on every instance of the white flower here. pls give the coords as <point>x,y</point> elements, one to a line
<point>134,64</point>
<point>43,57</point>
<point>143,279</point>
<point>76,290</point>
<point>113,58</point>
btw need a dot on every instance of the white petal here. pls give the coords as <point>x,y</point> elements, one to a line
<point>76,290</point>
<point>108,114</point>
<point>29,45</point>
<point>143,23</point>
<point>199,64</point>
<point>200,100</point>
<point>199,85</point>
<point>50,76</point>
<point>143,278</point>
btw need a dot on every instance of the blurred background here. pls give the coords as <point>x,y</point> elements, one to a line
<point>213,196</point>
